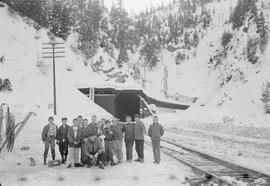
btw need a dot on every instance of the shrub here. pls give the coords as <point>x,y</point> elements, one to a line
<point>226,38</point>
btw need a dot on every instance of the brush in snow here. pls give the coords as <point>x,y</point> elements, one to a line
<point>32,162</point>
<point>54,163</point>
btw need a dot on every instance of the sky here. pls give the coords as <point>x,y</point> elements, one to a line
<point>135,6</point>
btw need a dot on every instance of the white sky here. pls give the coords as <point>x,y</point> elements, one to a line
<point>135,6</point>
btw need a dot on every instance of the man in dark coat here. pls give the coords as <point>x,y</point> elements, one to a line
<point>109,136</point>
<point>49,134</point>
<point>92,127</point>
<point>62,139</point>
<point>128,129</point>
<point>139,132</point>
<point>85,134</point>
<point>74,141</point>
<point>155,131</point>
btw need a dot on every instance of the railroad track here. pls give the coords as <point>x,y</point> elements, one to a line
<point>212,168</point>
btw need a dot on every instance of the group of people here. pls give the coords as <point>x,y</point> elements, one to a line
<point>100,143</point>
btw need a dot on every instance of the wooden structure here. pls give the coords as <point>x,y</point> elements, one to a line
<point>119,103</point>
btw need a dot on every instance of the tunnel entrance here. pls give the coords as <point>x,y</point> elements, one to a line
<point>127,103</point>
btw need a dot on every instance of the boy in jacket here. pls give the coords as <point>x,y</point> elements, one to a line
<point>117,130</point>
<point>85,134</point>
<point>49,134</point>
<point>62,139</point>
<point>109,150</point>
<point>139,132</point>
<point>93,152</point>
<point>128,129</point>
<point>155,132</point>
<point>74,140</point>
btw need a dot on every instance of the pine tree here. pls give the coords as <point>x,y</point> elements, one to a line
<point>262,30</point>
<point>266,97</point>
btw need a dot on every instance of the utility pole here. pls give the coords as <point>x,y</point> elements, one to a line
<point>55,49</point>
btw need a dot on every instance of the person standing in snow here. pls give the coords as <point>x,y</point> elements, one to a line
<point>62,139</point>
<point>117,130</point>
<point>85,134</point>
<point>74,141</point>
<point>128,130</point>
<point>109,150</point>
<point>92,127</point>
<point>155,131</point>
<point>139,132</point>
<point>49,134</point>
<point>94,152</point>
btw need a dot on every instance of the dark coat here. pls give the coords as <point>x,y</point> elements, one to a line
<point>128,130</point>
<point>85,133</point>
<point>72,141</point>
<point>93,129</point>
<point>45,132</point>
<point>117,131</point>
<point>139,130</point>
<point>155,131</point>
<point>62,134</point>
<point>109,136</point>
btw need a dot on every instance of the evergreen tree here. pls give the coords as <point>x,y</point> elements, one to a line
<point>262,30</point>
<point>266,97</point>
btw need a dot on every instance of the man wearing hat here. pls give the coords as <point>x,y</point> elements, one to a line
<point>49,134</point>
<point>117,130</point>
<point>93,152</point>
<point>139,132</point>
<point>62,139</point>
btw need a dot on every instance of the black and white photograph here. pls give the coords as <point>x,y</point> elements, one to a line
<point>135,92</point>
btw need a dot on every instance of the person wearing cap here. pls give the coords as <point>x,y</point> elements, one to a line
<point>49,134</point>
<point>62,139</point>
<point>94,154</point>
<point>128,130</point>
<point>139,132</point>
<point>92,127</point>
<point>117,130</point>
<point>74,140</point>
<point>85,134</point>
<point>155,132</point>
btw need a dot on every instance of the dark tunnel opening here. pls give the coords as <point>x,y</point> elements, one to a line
<point>126,103</point>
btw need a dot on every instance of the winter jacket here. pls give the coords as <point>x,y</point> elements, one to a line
<point>62,133</point>
<point>155,131</point>
<point>85,133</point>
<point>45,133</point>
<point>108,134</point>
<point>139,130</point>
<point>72,140</point>
<point>92,147</point>
<point>117,131</point>
<point>93,129</point>
<point>128,129</point>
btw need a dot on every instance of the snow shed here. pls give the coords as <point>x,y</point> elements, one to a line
<point>119,103</point>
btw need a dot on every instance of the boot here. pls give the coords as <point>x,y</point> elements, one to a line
<point>45,162</point>
<point>65,158</point>
<point>62,159</point>
<point>101,166</point>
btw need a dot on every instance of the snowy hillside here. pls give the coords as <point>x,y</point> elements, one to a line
<point>228,88</point>
<point>31,76</point>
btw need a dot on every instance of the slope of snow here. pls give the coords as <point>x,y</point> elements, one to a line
<point>31,76</point>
